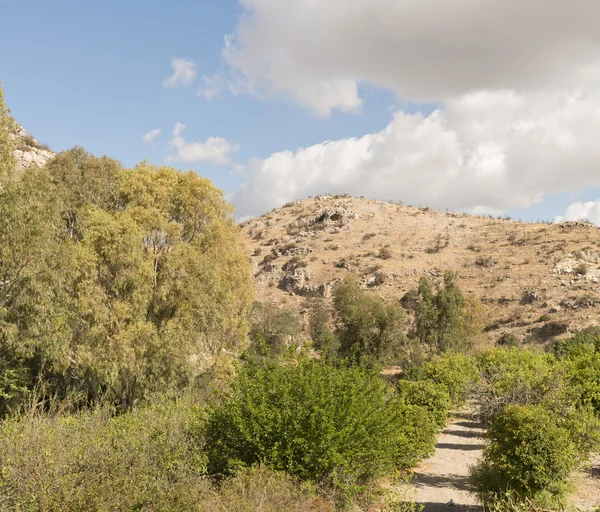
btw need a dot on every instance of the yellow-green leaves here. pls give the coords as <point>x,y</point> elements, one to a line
<point>140,276</point>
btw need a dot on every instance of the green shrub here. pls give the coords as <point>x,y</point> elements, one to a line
<point>417,436</point>
<point>507,340</point>
<point>144,460</point>
<point>586,341</point>
<point>528,453</point>
<point>433,397</point>
<point>313,420</point>
<point>320,330</point>
<point>515,376</point>
<point>456,373</point>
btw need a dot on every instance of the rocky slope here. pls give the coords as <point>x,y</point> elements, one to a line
<point>535,280</point>
<point>29,152</point>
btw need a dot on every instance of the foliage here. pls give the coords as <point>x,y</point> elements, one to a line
<point>446,320</point>
<point>507,340</point>
<point>433,397</point>
<point>315,421</point>
<point>7,127</point>
<point>515,376</point>
<point>95,461</point>
<point>260,488</point>
<point>456,373</point>
<point>271,330</point>
<point>118,282</point>
<point>320,329</point>
<point>528,453</point>
<point>417,436</point>
<point>369,330</point>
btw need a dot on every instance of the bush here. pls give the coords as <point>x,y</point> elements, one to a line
<point>94,461</point>
<point>417,436</point>
<point>507,340</point>
<point>431,396</point>
<point>515,376</point>
<point>313,420</point>
<point>528,453</point>
<point>456,373</point>
<point>262,489</point>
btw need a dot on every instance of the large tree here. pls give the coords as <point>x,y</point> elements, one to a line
<point>118,281</point>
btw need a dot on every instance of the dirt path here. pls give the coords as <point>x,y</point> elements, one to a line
<point>442,481</point>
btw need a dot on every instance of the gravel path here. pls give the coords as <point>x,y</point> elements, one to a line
<point>441,481</point>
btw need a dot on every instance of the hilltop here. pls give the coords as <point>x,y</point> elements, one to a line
<point>535,280</point>
<point>28,151</point>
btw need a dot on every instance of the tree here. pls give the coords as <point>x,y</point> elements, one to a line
<point>320,330</point>
<point>271,329</point>
<point>368,329</point>
<point>446,320</point>
<point>7,129</point>
<point>119,281</point>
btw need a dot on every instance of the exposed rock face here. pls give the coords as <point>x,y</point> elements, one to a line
<point>526,275</point>
<point>29,152</point>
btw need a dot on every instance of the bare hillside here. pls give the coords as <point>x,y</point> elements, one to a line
<point>535,280</point>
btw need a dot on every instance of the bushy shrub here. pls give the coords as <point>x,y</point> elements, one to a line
<point>145,460</point>
<point>417,436</point>
<point>433,397</point>
<point>314,421</point>
<point>260,488</point>
<point>515,376</point>
<point>456,373</point>
<point>320,331</point>
<point>507,340</point>
<point>528,453</point>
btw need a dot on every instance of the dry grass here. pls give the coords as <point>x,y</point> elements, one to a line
<point>495,259</point>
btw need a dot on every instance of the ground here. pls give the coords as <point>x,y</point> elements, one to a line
<point>534,280</point>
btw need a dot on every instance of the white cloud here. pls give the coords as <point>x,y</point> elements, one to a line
<point>184,72</point>
<point>151,135</point>
<point>486,151</point>
<point>212,86</point>
<point>519,112</point>
<point>582,211</point>
<point>215,149</point>
<point>317,52</point>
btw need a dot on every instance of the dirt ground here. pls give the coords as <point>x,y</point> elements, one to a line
<point>441,481</point>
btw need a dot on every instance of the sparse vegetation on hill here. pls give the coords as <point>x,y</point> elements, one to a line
<point>136,373</point>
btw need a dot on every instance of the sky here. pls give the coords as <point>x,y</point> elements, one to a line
<point>466,105</point>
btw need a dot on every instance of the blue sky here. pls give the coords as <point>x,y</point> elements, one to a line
<point>93,74</point>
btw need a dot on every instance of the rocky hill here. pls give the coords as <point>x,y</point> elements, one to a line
<point>535,280</point>
<point>29,152</point>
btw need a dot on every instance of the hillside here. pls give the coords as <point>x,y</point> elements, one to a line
<point>535,280</point>
<point>28,151</point>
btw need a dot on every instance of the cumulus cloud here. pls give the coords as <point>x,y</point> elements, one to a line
<point>582,211</point>
<point>516,83</point>
<point>151,135</point>
<point>184,72</point>
<point>487,151</point>
<point>317,52</point>
<point>215,149</point>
